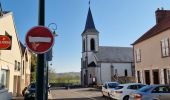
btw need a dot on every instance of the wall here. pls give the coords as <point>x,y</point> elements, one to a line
<point>8,57</point>
<point>151,57</point>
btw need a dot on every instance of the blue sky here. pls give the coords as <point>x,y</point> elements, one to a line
<point>120,23</point>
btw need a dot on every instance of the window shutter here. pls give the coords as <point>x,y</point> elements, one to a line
<point>163,48</point>
<point>166,47</point>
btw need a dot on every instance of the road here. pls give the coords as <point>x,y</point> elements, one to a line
<point>77,94</point>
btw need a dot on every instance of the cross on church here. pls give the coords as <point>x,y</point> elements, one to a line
<point>89,2</point>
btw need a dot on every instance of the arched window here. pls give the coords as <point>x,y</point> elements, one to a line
<point>92,44</point>
<point>84,46</point>
<point>126,73</point>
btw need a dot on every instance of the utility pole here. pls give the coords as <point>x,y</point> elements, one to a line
<point>41,58</point>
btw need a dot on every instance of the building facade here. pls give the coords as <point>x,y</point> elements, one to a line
<point>102,63</point>
<point>15,62</point>
<point>151,52</point>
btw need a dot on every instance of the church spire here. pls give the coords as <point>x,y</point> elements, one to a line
<point>90,26</point>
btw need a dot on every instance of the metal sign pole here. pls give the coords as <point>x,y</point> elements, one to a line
<point>41,58</point>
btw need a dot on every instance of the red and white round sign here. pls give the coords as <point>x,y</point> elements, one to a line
<point>5,42</point>
<point>39,39</point>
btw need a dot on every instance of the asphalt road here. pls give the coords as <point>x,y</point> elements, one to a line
<point>77,94</point>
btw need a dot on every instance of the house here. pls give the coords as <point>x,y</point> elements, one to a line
<point>14,62</point>
<point>102,63</point>
<point>151,52</point>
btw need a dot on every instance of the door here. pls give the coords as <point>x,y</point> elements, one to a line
<point>147,76</point>
<point>156,76</point>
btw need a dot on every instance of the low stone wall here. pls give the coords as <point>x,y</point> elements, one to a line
<point>124,79</point>
<point>5,95</point>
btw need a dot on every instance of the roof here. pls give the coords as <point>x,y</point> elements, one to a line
<point>90,26</point>
<point>115,54</point>
<point>22,48</point>
<point>157,29</point>
<point>92,64</point>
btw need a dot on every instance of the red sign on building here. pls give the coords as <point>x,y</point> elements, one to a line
<point>39,39</point>
<point>5,42</point>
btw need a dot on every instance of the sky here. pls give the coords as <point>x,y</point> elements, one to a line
<point>120,23</point>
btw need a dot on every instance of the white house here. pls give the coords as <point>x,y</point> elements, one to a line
<point>15,63</point>
<point>102,63</point>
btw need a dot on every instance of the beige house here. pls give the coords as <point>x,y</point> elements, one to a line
<point>14,63</point>
<point>151,52</point>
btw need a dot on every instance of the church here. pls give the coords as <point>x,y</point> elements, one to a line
<point>101,64</point>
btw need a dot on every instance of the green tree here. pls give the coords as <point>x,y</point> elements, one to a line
<point>52,75</point>
<point>33,67</point>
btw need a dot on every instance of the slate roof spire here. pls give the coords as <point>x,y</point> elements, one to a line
<point>90,26</point>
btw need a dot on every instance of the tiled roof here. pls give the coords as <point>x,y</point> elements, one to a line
<point>115,54</point>
<point>157,29</point>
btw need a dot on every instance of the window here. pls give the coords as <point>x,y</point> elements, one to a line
<point>133,87</point>
<point>84,46</point>
<point>165,47</point>
<point>138,55</point>
<point>161,89</point>
<point>126,73</point>
<point>15,68</point>
<point>19,67</point>
<point>90,75</point>
<point>23,67</point>
<point>4,78</point>
<point>92,44</point>
<point>115,71</point>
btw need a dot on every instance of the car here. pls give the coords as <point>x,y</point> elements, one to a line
<point>152,92</point>
<point>108,87</point>
<point>29,93</point>
<point>123,91</point>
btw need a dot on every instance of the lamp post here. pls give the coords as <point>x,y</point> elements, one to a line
<point>53,27</point>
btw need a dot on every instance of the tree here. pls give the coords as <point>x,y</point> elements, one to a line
<point>33,67</point>
<point>51,75</point>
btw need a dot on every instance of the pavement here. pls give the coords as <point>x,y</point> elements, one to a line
<point>22,98</point>
<point>77,94</point>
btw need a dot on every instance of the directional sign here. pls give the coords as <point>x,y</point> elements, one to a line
<point>39,39</point>
<point>5,42</point>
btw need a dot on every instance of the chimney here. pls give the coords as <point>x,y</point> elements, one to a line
<point>161,14</point>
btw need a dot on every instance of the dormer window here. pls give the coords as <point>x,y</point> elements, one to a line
<point>92,44</point>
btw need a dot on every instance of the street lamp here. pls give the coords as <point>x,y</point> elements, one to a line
<point>53,26</point>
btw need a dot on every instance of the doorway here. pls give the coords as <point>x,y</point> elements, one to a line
<point>155,76</point>
<point>147,77</point>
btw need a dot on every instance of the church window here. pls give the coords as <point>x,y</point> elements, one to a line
<point>90,75</point>
<point>92,44</point>
<point>84,46</point>
<point>126,73</point>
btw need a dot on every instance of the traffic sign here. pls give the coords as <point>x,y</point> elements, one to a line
<point>5,42</point>
<point>39,39</point>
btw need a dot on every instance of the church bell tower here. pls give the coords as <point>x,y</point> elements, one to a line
<point>90,45</point>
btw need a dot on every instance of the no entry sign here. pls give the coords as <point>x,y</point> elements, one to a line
<point>39,39</point>
<point>5,42</point>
